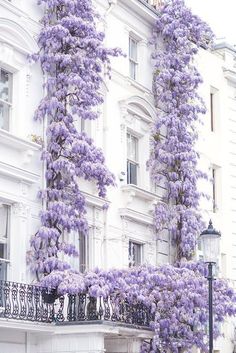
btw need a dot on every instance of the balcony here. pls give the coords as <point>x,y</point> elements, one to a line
<point>32,303</point>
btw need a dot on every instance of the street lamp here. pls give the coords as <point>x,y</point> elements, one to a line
<point>210,239</point>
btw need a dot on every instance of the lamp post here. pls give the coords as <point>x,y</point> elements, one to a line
<point>210,239</point>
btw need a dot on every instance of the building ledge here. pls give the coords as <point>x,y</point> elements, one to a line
<point>138,217</point>
<point>108,327</point>
<point>26,326</point>
<point>93,200</point>
<point>136,191</point>
<point>18,174</point>
<point>230,75</point>
<point>104,327</point>
<point>18,143</point>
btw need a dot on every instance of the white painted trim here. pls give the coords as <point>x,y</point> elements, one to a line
<point>18,173</point>
<point>135,216</point>
<point>144,11</point>
<point>139,192</point>
<point>23,41</point>
<point>25,326</point>
<point>94,200</point>
<point>18,143</point>
<point>111,328</point>
<point>230,75</point>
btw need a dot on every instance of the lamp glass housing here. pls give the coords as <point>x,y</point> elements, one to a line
<point>210,239</point>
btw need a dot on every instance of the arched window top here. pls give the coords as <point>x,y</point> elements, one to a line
<point>16,36</point>
<point>139,107</point>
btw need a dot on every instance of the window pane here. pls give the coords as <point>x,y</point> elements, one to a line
<point>3,251</point>
<point>134,254</point>
<point>214,206</point>
<point>4,209</point>
<point>132,147</point>
<point>131,173</point>
<point>132,70</point>
<point>4,116</point>
<point>133,49</point>
<point>3,271</point>
<point>5,85</point>
<point>83,252</point>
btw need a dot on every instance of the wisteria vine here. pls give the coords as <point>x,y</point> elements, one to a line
<point>178,34</point>
<point>72,57</point>
<point>177,297</point>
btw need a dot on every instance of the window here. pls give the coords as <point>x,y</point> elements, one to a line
<point>4,236</point>
<point>133,57</point>
<point>135,254</point>
<point>81,243</point>
<point>132,159</point>
<point>214,205</point>
<point>213,107</point>
<point>83,252</point>
<point>5,98</point>
<point>212,110</point>
<point>80,124</point>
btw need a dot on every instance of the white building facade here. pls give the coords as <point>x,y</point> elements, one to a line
<point>123,235</point>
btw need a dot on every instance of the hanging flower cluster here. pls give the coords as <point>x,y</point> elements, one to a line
<point>72,57</point>
<point>177,297</point>
<point>178,35</point>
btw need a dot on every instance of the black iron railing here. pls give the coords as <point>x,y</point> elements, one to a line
<point>33,303</point>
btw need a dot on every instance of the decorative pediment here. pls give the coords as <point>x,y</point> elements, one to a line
<point>15,36</point>
<point>138,107</point>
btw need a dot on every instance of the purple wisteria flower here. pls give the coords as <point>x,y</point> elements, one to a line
<point>176,296</point>
<point>73,58</point>
<point>178,34</point>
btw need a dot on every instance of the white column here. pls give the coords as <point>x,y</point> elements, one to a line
<point>18,236</point>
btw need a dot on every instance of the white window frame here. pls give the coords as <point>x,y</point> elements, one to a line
<point>133,60</point>
<point>8,103</point>
<point>6,241</point>
<point>130,161</point>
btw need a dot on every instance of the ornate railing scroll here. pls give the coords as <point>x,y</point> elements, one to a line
<point>32,303</point>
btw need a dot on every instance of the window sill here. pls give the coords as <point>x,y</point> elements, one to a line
<point>139,199</point>
<point>18,143</point>
<point>140,192</point>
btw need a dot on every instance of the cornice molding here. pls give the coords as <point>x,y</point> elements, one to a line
<point>18,174</point>
<point>135,216</point>
<point>230,75</point>
<point>17,143</point>
<point>94,201</point>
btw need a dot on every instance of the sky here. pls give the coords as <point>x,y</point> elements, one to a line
<point>220,15</point>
